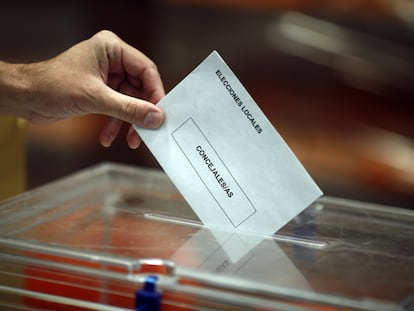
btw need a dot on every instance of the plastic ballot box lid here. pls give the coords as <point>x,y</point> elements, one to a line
<point>116,237</point>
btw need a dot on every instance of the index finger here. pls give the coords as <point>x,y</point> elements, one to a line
<point>142,73</point>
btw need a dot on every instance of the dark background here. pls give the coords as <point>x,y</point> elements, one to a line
<point>336,79</point>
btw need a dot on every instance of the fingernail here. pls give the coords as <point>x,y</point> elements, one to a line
<point>153,119</point>
<point>133,139</point>
<point>106,142</point>
<point>110,140</point>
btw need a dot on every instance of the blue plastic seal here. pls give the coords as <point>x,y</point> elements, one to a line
<point>148,298</point>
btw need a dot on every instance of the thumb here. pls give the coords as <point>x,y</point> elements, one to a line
<point>130,109</point>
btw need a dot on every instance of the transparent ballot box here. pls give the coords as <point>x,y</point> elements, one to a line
<point>91,240</point>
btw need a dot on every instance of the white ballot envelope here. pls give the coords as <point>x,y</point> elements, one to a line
<point>224,155</point>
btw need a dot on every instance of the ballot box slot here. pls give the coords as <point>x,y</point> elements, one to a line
<point>318,244</point>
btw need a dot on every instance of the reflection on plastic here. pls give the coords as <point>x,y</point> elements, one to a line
<point>238,254</point>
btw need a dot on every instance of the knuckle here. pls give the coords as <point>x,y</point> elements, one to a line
<point>107,38</point>
<point>152,67</point>
<point>106,34</point>
<point>130,112</point>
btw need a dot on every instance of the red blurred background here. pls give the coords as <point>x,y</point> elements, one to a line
<point>336,78</point>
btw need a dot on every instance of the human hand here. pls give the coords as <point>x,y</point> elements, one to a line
<point>102,75</point>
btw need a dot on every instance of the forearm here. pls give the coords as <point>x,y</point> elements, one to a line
<point>15,87</point>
